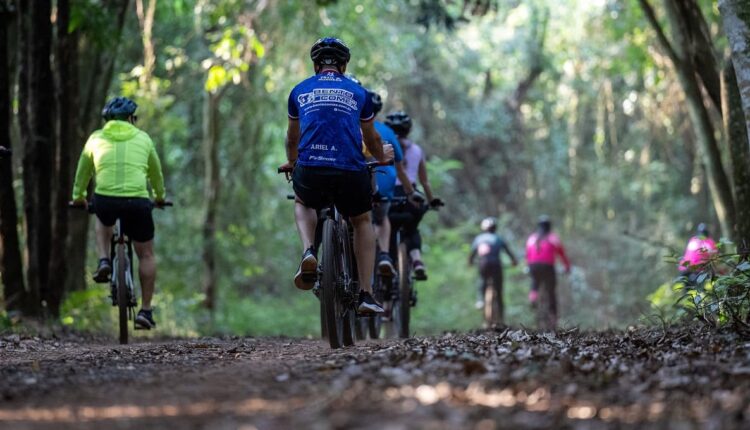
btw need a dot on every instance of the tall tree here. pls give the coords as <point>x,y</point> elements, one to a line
<point>66,68</point>
<point>11,266</point>
<point>736,132</point>
<point>736,17</point>
<point>682,52</point>
<point>212,186</point>
<point>37,156</point>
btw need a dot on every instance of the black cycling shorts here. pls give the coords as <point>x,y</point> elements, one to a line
<point>318,187</point>
<point>134,213</point>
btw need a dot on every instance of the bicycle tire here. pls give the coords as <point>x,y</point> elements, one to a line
<point>373,326</point>
<point>404,290</point>
<point>323,326</point>
<point>122,292</point>
<point>491,308</point>
<point>328,284</point>
<point>347,303</point>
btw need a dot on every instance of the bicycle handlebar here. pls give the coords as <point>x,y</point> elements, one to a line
<point>90,206</point>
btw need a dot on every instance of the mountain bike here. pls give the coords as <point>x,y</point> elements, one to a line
<point>493,301</point>
<point>337,285</point>
<point>402,295</point>
<point>122,286</point>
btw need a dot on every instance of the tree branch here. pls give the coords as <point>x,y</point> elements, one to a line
<point>663,41</point>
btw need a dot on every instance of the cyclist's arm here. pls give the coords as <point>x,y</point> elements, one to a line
<point>472,255</point>
<point>372,140</point>
<point>84,171</point>
<point>422,175</point>
<point>510,253</point>
<point>292,140</point>
<point>561,252</point>
<point>155,175</point>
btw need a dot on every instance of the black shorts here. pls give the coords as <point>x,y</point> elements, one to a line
<point>318,187</point>
<point>134,213</point>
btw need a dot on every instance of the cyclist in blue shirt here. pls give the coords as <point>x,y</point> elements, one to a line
<point>386,181</point>
<point>329,118</point>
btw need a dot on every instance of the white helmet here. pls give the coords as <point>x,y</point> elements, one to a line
<point>488,224</point>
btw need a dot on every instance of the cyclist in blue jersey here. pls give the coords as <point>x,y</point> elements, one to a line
<point>329,118</point>
<point>386,181</point>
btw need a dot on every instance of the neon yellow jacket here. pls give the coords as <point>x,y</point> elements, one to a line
<point>123,157</point>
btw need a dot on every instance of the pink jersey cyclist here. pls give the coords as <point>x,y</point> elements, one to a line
<point>699,250</point>
<point>542,249</point>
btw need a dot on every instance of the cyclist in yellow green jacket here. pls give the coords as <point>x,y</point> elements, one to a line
<point>123,159</point>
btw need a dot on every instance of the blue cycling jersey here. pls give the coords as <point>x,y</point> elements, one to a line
<point>330,107</point>
<point>386,175</point>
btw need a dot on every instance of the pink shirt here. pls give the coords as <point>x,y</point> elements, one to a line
<point>699,250</point>
<point>544,251</point>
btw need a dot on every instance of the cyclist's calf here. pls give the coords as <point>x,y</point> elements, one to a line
<point>146,270</point>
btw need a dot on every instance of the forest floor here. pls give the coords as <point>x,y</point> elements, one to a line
<point>679,378</point>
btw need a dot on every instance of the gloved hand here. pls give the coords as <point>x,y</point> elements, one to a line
<point>416,198</point>
<point>436,203</point>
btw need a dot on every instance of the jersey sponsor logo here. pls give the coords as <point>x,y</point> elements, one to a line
<point>330,97</point>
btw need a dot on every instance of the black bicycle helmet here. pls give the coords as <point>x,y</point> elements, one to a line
<point>489,224</point>
<point>330,51</point>
<point>119,108</point>
<point>702,230</point>
<point>377,101</point>
<point>544,223</point>
<point>400,122</point>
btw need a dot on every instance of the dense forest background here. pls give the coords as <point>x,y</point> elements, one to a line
<point>615,117</point>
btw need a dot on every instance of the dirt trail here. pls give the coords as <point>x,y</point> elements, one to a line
<point>501,379</point>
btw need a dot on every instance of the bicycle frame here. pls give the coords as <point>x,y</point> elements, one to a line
<point>123,291</point>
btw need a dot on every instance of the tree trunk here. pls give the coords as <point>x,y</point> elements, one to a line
<point>97,72</point>
<point>736,132</point>
<point>146,21</point>
<point>736,17</point>
<point>67,126</point>
<point>38,157</point>
<point>11,265</point>
<point>211,194</point>
<point>683,53</point>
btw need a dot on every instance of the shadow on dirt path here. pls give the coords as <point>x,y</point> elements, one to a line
<point>681,378</point>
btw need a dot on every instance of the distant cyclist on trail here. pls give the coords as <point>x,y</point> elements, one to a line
<point>415,165</point>
<point>542,247</point>
<point>329,118</point>
<point>700,249</point>
<point>123,160</point>
<point>488,245</point>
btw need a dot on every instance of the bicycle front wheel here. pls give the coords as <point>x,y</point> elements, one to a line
<point>122,291</point>
<point>328,285</point>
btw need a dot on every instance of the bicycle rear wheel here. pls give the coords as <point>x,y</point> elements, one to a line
<point>328,283</point>
<point>404,291</point>
<point>122,291</point>
<point>490,305</point>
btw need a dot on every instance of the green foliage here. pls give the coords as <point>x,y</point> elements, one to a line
<point>717,300</point>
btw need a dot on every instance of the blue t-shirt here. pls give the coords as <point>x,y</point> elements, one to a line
<point>385,176</point>
<point>329,107</point>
